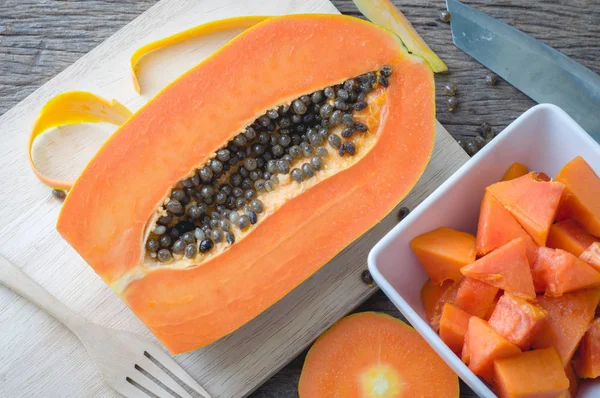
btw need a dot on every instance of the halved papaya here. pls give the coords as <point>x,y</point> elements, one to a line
<point>537,373</point>
<point>531,201</point>
<point>580,200</point>
<point>443,251</point>
<point>591,255</point>
<point>516,170</point>
<point>475,297</point>
<point>483,345</point>
<point>167,212</point>
<point>567,321</point>
<point>568,235</point>
<point>517,320</point>
<point>587,360</point>
<point>506,268</point>
<point>557,272</point>
<point>497,227</point>
<point>374,355</point>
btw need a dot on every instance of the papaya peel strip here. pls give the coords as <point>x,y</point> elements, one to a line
<point>221,25</point>
<point>73,107</point>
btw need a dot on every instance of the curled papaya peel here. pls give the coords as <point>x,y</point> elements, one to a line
<point>108,219</point>
<point>73,107</point>
<point>221,25</point>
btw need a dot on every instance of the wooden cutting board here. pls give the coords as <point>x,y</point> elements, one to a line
<point>38,356</point>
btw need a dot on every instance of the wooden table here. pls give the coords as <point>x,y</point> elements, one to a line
<point>39,38</point>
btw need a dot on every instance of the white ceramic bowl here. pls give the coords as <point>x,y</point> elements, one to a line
<point>544,138</point>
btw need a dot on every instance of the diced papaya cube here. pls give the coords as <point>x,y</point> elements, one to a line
<point>517,320</point>
<point>591,255</point>
<point>493,306</point>
<point>443,251</point>
<point>557,272</point>
<point>580,201</point>
<point>515,171</point>
<point>475,297</point>
<point>497,227</point>
<point>453,327</point>
<point>587,359</point>
<point>431,294</point>
<point>447,295</point>
<point>483,345</point>
<point>567,321</point>
<point>532,202</point>
<point>569,236</point>
<point>506,268</point>
<point>537,373</point>
<point>573,381</point>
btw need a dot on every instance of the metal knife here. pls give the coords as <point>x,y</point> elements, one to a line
<point>541,72</point>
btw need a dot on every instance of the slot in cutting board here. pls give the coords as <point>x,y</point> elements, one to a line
<point>40,357</point>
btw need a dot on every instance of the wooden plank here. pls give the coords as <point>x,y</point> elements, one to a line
<point>38,356</point>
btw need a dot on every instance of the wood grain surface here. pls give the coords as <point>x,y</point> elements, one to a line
<point>40,38</point>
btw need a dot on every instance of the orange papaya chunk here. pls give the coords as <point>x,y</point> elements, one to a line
<point>497,227</point>
<point>374,355</point>
<point>110,216</point>
<point>587,359</point>
<point>591,255</point>
<point>516,170</point>
<point>531,374</point>
<point>483,345</point>
<point>448,296</point>
<point>475,297</point>
<point>493,306</point>
<point>573,381</point>
<point>580,201</point>
<point>431,293</point>
<point>567,321</point>
<point>443,251</point>
<point>453,327</point>
<point>506,268</point>
<point>517,320</point>
<point>532,202</point>
<point>557,272</point>
<point>568,235</point>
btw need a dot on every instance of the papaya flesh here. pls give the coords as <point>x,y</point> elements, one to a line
<point>374,355</point>
<point>483,345</point>
<point>517,320</point>
<point>497,227</point>
<point>573,381</point>
<point>567,321</point>
<point>587,360</point>
<point>516,170</point>
<point>568,235</point>
<point>591,255</point>
<point>121,200</point>
<point>531,201</point>
<point>580,201</point>
<point>506,268</point>
<point>431,293</point>
<point>537,373</point>
<point>557,272</point>
<point>453,327</point>
<point>475,297</point>
<point>443,251</point>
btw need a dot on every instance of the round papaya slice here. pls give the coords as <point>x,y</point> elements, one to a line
<point>373,355</point>
<point>252,170</point>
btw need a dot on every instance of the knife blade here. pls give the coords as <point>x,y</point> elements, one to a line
<point>541,72</point>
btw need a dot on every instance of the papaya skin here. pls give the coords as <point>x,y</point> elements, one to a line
<point>371,354</point>
<point>189,308</point>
